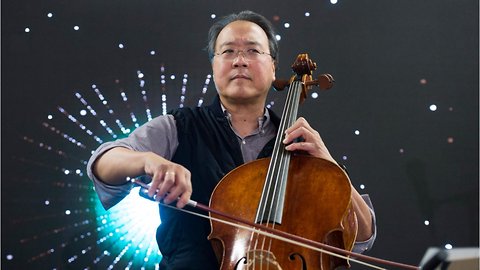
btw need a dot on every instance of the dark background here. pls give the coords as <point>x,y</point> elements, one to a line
<point>391,61</point>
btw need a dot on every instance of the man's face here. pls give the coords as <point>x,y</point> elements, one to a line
<point>242,78</point>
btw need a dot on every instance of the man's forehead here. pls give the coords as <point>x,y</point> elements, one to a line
<point>242,33</point>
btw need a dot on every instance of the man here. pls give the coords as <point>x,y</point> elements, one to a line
<point>188,151</point>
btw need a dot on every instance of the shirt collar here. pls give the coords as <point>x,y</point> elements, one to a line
<point>262,121</point>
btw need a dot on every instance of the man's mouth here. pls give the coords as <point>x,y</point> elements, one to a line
<point>240,76</point>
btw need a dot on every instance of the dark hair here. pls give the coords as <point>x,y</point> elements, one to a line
<point>245,15</point>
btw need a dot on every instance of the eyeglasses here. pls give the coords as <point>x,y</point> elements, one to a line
<point>249,54</point>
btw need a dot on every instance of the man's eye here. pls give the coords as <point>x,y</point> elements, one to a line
<point>228,51</point>
<point>253,51</point>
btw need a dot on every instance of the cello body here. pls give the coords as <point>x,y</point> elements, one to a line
<point>318,207</point>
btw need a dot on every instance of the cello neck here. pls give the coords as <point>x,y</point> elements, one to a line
<point>270,208</point>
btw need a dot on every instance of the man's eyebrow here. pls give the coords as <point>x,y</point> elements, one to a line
<point>229,43</point>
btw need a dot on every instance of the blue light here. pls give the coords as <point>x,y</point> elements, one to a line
<point>139,218</point>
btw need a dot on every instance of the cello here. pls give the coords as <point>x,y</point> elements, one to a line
<point>298,194</point>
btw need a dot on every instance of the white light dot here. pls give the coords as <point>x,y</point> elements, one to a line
<point>83,112</point>
<point>307,14</point>
<point>76,28</point>
<point>213,16</point>
<point>401,151</point>
<point>172,77</point>
<point>67,212</point>
<point>357,132</point>
<point>49,15</point>
<point>433,107</point>
<point>362,186</point>
<point>140,75</point>
<point>152,52</point>
<point>278,37</point>
<point>448,246</point>
<point>47,202</point>
<point>9,257</point>
<point>78,171</point>
<point>314,95</point>
<point>286,25</point>
<point>344,157</point>
<point>121,46</point>
<point>426,222</point>
<point>27,30</point>
<point>333,1</point>
<point>66,171</point>
<point>50,116</point>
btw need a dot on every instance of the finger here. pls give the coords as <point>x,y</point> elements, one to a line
<point>181,191</point>
<point>301,146</point>
<point>156,181</point>
<point>301,132</point>
<point>301,128</point>
<point>300,122</point>
<point>184,199</point>
<point>166,184</point>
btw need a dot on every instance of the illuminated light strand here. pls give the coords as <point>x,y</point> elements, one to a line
<point>184,90</point>
<point>122,253</point>
<point>65,244</point>
<point>74,120</point>
<point>164,92</point>
<point>63,135</point>
<point>94,113</point>
<point>84,102</point>
<point>132,115</point>
<point>36,163</point>
<point>48,252</point>
<point>107,128</point>
<point>57,230</point>
<point>99,258</point>
<point>45,146</point>
<point>110,110</point>
<point>144,96</point>
<point>78,186</point>
<point>122,128</point>
<point>83,252</point>
<point>61,153</point>
<point>204,90</point>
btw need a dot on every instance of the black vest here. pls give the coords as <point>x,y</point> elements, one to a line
<point>209,149</point>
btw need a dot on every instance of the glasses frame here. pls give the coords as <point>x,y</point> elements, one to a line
<point>245,53</point>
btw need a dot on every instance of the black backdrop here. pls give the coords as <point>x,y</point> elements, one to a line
<point>391,61</point>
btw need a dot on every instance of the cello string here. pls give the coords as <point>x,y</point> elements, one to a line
<point>275,168</point>
<point>291,108</point>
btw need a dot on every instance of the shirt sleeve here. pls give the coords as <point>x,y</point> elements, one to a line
<point>362,246</point>
<point>158,135</point>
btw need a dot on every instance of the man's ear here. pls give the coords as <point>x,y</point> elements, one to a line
<point>274,68</point>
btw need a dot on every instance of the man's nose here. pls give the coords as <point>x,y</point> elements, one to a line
<point>240,59</point>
